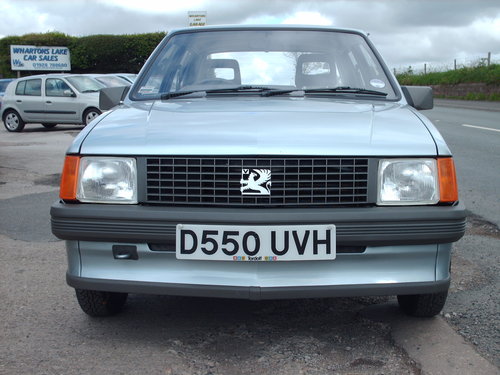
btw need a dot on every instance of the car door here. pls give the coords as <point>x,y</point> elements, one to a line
<point>29,100</point>
<point>61,103</point>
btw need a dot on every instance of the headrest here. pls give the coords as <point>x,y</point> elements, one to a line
<point>307,77</point>
<point>226,64</point>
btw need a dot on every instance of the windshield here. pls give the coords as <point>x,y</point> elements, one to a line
<point>85,84</point>
<point>275,59</point>
<point>112,81</point>
<point>3,85</point>
<point>129,77</point>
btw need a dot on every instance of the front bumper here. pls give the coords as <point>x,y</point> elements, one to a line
<point>383,270</point>
<point>404,250</point>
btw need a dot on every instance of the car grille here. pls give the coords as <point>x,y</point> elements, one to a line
<point>294,181</point>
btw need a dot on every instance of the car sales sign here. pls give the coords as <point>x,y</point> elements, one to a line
<point>40,58</point>
<point>197,18</point>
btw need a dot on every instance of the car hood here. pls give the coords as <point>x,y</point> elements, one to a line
<point>266,126</point>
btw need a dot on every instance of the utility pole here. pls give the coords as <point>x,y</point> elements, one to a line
<point>425,68</point>
<point>489,58</point>
<point>455,64</point>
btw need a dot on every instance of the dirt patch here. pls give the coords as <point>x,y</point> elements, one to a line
<point>49,180</point>
<point>478,226</point>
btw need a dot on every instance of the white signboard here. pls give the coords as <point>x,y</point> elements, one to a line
<point>197,18</point>
<point>39,58</point>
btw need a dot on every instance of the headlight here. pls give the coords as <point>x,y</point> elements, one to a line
<point>107,180</point>
<point>408,182</point>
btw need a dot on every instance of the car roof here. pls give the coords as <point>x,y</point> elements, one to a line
<point>266,27</point>
<point>52,75</point>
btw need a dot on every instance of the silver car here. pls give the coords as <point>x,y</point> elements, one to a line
<point>261,162</point>
<point>50,99</point>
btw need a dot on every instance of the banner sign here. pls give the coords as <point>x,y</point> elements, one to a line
<point>197,18</point>
<point>39,58</point>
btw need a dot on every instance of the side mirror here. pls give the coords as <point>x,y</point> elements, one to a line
<point>419,97</point>
<point>69,93</point>
<point>110,97</point>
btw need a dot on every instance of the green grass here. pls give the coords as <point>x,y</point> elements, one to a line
<point>479,74</point>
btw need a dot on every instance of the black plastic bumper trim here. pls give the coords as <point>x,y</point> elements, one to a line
<point>367,226</point>
<point>257,293</point>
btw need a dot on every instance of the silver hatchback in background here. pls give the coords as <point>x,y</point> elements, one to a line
<point>50,99</point>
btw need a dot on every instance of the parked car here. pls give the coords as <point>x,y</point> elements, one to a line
<point>110,80</point>
<point>50,99</point>
<point>261,162</point>
<point>3,86</point>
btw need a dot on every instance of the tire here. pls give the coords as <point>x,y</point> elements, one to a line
<point>12,121</point>
<point>423,305</point>
<point>49,126</point>
<point>97,303</point>
<point>89,115</point>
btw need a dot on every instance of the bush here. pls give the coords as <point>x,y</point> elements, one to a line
<point>89,54</point>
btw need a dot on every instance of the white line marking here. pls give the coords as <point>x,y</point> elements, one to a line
<point>481,127</point>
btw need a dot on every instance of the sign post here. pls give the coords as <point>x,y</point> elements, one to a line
<point>40,58</point>
<point>197,18</point>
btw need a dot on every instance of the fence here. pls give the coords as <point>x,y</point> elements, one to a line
<point>470,61</point>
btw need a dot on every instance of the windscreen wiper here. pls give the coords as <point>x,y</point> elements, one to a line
<point>239,88</point>
<point>282,92</point>
<point>346,90</point>
<point>269,91</point>
<point>221,90</point>
<point>340,89</point>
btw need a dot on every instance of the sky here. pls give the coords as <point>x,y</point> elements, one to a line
<point>406,32</point>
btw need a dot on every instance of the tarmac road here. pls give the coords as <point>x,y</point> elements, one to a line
<point>473,135</point>
<point>43,331</point>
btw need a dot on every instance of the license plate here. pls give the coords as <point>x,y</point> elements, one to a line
<point>255,243</point>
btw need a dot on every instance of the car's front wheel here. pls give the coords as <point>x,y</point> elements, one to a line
<point>97,303</point>
<point>423,305</point>
<point>90,114</point>
<point>12,121</point>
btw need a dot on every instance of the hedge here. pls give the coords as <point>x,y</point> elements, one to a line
<point>478,74</point>
<point>89,54</point>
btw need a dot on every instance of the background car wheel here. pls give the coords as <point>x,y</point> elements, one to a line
<point>97,303</point>
<point>49,126</point>
<point>89,115</point>
<point>423,305</point>
<point>12,121</point>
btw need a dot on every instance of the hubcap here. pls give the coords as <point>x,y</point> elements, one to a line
<point>11,121</point>
<point>90,117</point>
